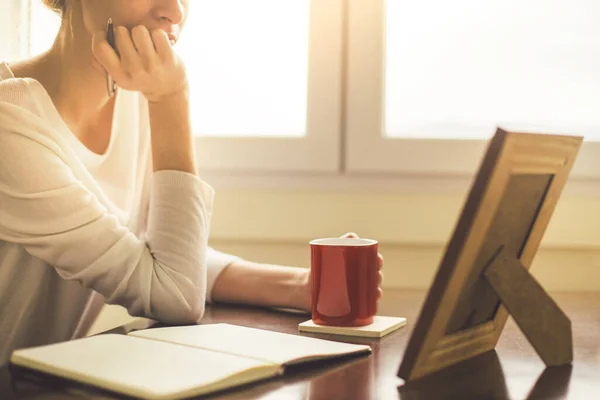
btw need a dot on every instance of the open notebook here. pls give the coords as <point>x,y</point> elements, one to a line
<point>179,362</point>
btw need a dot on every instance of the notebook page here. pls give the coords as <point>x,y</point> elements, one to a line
<point>143,368</point>
<point>260,344</point>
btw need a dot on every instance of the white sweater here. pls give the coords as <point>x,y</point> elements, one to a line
<point>78,228</point>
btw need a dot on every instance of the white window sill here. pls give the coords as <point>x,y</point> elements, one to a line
<point>370,182</point>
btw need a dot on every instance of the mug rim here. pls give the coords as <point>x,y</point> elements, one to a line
<point>344,242</point>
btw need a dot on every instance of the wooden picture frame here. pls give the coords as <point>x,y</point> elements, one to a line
<point>483,275</point>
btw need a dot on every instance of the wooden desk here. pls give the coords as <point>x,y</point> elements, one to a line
<point>513,371</point>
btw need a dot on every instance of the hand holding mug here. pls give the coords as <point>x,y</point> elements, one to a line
<point>345,277</point>
<point>353,235</point>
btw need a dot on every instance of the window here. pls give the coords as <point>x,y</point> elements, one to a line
<point>477,64</point>
<point>43,26</point>
<point>250,81</point>
<point>429,80</point>
<point>372,86</point>
<point>254,105</point>
<point>13,31</point>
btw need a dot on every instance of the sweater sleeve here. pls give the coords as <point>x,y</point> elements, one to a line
<point>217,261</point>
<point>45,207</point>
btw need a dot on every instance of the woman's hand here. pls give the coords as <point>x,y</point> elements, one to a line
<point>379,263</point>
<point>146,62</point>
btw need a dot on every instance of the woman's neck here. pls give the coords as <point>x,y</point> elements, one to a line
<point>68,71</point>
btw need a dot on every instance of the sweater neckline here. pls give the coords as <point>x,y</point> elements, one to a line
<point>47,107</point>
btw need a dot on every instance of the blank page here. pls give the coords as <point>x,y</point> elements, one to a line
<point>143,368</point>
<point>281,348</point>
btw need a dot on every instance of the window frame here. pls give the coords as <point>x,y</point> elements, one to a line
<point>319,150</point>
<point>16,19</point>
<point>369,151</point>
<point>344,115</point>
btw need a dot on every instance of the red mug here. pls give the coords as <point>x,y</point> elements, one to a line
<point>344,273</point>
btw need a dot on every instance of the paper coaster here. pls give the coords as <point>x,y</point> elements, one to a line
<point>380,327</point>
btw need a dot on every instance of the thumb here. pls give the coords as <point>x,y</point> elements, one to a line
<point>350,235</point>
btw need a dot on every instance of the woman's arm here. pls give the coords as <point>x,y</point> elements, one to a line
<point>270,285</point>
<point>263,285</point>
<point>51,207</point>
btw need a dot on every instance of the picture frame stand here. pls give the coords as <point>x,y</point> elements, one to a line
<point>544,324</point>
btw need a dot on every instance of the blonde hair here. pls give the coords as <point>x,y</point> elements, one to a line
<point>58,6</point>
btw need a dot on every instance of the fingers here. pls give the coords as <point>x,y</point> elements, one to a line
<point>353,235</point>
<point>124,42</point>
<point>143,61</point>
<point>161,43</point>
<point>97,39</point>
<point>140,53</point>
<point>144,45</point>
<point>130,58</point>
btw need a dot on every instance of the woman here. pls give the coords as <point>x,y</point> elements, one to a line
<point>100,199</point>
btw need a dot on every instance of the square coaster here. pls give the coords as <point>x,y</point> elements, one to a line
<point>380,327</point>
